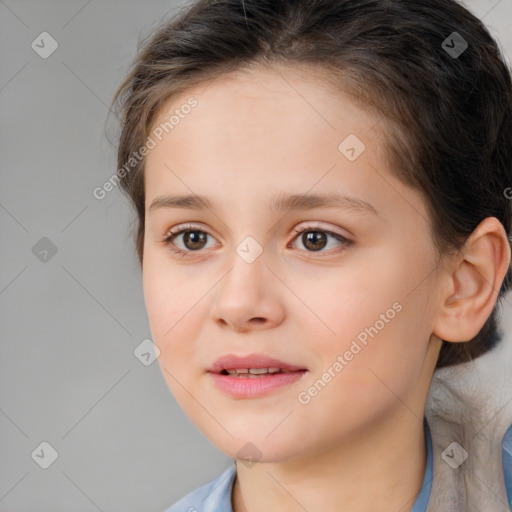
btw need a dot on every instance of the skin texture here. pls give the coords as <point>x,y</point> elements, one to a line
<point>360,440</point>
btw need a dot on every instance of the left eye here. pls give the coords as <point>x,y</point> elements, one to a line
<point>313,238</point>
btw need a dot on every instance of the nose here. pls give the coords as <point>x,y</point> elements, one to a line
<point>248,297</point>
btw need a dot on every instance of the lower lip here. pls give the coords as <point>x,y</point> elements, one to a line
<point>247,387</point>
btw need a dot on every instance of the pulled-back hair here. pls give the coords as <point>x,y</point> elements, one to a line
<point>447,116</point>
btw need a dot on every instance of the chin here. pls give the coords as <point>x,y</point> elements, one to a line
<point>257,448</point>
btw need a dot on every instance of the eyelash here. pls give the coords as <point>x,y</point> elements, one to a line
<point>189,227</point>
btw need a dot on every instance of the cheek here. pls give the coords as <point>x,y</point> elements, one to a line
<point>372,322</point>
<point>357,383</point>
<point>343,304</point>
<point>174,327</point>
<point>169,302</point>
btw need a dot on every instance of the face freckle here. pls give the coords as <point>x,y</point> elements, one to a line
<point>358,316</point>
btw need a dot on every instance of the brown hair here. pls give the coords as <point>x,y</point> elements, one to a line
<point>448,116</point>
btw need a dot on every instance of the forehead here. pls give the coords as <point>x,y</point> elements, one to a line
<point>278,112</point>
<point>306,87</point>
<point>268,130</point>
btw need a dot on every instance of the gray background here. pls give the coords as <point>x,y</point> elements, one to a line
<point>70,323</point>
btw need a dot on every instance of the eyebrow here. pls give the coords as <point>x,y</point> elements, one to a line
<point>278,203</point>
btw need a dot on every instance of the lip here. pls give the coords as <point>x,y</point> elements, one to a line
<point>232,362</point>
<point>247,387</point>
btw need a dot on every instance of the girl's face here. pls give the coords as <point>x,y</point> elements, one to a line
<point>356,312</point>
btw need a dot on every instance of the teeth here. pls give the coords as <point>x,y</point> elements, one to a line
<point>254,372</point>
<point>257,371</point>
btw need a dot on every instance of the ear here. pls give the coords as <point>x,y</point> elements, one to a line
<point>473,280</point>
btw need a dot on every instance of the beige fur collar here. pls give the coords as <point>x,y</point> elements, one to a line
<point>471,404</point>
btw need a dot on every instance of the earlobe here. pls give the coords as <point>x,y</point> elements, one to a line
<point>475,278</point>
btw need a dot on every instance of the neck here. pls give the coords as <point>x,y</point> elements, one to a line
<point>382,466</point>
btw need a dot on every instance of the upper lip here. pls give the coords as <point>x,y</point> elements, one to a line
<point>233,362</point>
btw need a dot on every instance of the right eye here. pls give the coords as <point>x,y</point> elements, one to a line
<point>193,235</point>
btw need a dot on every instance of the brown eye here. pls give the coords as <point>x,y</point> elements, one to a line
<point>193,240</point>
<point>314,239</point>
<point>196,239</point>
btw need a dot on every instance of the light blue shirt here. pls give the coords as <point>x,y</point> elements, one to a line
<point>215,496</point>
<point>507,463</point>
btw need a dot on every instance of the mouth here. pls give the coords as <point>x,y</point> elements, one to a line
<point>251,373</point>
<point>253,376</point>
<point>252,364</point>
